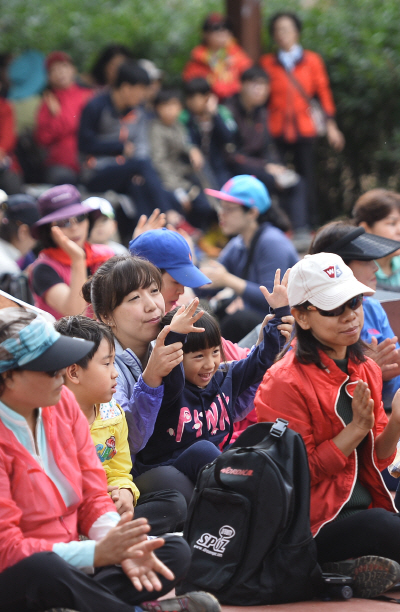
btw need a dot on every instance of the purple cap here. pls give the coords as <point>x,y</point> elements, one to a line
<point>60,202</point>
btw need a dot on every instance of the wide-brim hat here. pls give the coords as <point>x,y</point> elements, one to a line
<point>60,202</point>
<point>362,246</point>
<point>324,280</point>
<point>169,251</point>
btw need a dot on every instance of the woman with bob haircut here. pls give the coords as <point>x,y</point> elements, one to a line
<point>330,393</point>
<point>125,294</point>
<point>378,212</point>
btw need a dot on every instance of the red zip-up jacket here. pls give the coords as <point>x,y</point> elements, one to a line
<point>288,111</point>
<point>33,515</point>
<point>307,397</point>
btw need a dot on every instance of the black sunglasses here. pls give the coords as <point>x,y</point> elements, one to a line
<point>68,222</point>
<point>353,304</point>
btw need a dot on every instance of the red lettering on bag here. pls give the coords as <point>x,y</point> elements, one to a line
<point>237,472</point>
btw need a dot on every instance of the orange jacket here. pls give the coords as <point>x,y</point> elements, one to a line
<point>224,74</point>
<point>288,110</point>
<point>307,397</point>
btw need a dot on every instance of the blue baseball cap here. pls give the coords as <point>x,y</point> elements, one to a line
<point>246,190</point>
<point>170,251</point>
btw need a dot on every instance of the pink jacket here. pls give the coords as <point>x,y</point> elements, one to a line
<point>33,515</point>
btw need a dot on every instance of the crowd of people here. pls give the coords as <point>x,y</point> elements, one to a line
<point>130,373</point>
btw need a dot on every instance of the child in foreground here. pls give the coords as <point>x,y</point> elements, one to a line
<point>199,409</point>
<point>93,380</point>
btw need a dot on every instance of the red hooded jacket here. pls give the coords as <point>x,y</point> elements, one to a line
<point>307,397</point>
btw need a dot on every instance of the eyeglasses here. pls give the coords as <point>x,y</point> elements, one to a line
<point>226,209</point>
<point>68,222</point>
<point>353,304</point>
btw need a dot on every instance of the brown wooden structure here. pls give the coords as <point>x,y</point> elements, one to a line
<point>245,16</point>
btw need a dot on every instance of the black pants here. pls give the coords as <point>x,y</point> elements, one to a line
<point>370,532</point>
<point>44,581</point>
<point>303,152</point>
<point>138,179</point>
<point>165,510</point>
<point>180,474</point>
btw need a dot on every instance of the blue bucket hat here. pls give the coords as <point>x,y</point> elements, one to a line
<point>246,190</point>
<point>169,251</point>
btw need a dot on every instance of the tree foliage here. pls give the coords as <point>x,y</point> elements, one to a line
<point>358,39</point>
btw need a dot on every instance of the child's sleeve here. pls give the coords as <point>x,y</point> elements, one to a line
<point>174,383</point>
<point>118,469</point>
<point>249,371</point>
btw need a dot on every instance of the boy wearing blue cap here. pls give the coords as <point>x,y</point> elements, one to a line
<point>251,258</point>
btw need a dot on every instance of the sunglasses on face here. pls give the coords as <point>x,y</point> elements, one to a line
<point>353,304</point>
<point>63,223</point>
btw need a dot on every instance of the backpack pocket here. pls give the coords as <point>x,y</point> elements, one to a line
<point>217,537</point>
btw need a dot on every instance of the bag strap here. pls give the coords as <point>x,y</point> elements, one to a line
<point>250,255</point>
<point>222,396</point>
<point>300,89</point>
<point>277,431</point>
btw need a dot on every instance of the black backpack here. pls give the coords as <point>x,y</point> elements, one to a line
<point>16,285</point>
<point>249,525</point>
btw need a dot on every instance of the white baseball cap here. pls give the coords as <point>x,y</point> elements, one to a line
<point>324,280</point>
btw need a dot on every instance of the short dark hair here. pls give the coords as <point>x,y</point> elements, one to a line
<point>199,341</point>
<point>329,234</point>
<point>308,348</point>
<point>166,95</point>
<point>375,205</point>
<point>115,279</point>
<point>130,72</point>
<point>196,86</point>
<point>254,74</point>
<point>82,327</point>
<point>107,54</point>
<point>296,21</point>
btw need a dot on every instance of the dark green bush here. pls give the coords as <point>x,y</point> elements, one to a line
<point>358,39</point>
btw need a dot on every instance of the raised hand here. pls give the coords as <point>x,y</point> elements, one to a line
<point>156,220</point>
<point>278,297</point>
<point>68,246</point>
<point>162,359</point>
<point>184,319</point>
<point>386,355</point>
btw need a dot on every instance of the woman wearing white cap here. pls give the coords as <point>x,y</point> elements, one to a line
<point>332,397</point>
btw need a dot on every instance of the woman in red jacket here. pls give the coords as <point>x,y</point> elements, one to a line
<point>53,488</point>
<point>332,396</point>
<point>297,76</point>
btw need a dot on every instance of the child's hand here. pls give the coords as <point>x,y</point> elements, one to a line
<point>122,498</point>
<point>156,220</point>
<point>286,327</point>
<point>278,297</point>
<point>162,360</point>
<point>184,319</point>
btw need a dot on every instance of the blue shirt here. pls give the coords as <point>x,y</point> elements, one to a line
<point>376,324</point>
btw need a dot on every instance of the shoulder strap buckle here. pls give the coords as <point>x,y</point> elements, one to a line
<point>279,428</point>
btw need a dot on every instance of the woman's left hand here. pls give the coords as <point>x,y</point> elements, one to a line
<point>278,297</point>
<point>184,319</point>
<point>70,247</point>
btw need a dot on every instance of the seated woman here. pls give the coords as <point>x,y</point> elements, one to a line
<point>359,251</point>
<point>331,394</point>
<point>378,212</point>
<point>53,488</point>
<point>67,258</point>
